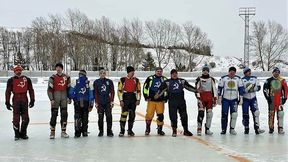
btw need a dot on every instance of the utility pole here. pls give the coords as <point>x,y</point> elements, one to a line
<point>245,13</point>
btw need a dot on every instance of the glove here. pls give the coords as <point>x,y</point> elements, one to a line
<point>122,104</point>
<point>137,102</point>
<point>240,102</point>
<point>284,100</point>
<point>219,100</point>
<point>69,101</point>
<point>199,102</point>
<point>96,105</point>
<point>156,96</point>
<point>8,106</point>
<point>250,88</point>
<point>214,101</point>
<point>31,104</point>
<point>111,105</point>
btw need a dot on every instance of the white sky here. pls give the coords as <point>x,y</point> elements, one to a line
<point>218,18</point>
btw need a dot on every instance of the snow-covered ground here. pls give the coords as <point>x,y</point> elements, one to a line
<point>264,147</point>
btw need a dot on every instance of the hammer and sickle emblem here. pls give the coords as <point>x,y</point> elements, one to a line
<point>175,86</point>
<point>82,90</point>
<point>62,82</point>
<point>22,84</point>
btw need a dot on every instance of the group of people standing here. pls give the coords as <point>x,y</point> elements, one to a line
<point>157,90</point>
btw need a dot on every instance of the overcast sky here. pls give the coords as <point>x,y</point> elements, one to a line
<point>218,18</point>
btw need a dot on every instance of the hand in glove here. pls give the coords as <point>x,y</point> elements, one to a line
<point>8,106</point>
<point>240,102</point>
<point>156,96</point>
<point>219,100</point>
<point>214,101</point>
<point>284,100</point>
<point>31,104</point>
<point>250,88</point>
<point>199,102</point>
<point>69,101</point>
<point>121,103</point>
<point>111,105</point>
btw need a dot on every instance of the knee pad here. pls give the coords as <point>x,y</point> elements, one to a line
<point>209,116</point>
<point>256,113</point>
<point>54,114</point>
<point>160,117</point>
<point>234,115</point>
<point>26,121</point>
<point>101,116</point>
<point>131,116</point>
<point>200,114</point>
<point>123,116</point>
<point>184,117</point>
<point>280,114</point>
<point>233,120</point>
<point>64,113</point>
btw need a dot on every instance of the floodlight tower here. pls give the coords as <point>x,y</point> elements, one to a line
<point>245,13</point>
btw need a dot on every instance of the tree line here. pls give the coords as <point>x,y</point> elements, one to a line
<point>82,43</point>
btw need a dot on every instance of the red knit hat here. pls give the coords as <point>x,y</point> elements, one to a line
<point>17,68</point>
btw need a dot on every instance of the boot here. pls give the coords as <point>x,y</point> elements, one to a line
<point>199,131</point>
<point>77,134</point>
<point>100,134</point>
<point>232,131</point>
<point>122,129</point>
<point>52,134</point>
<point>174,133</point>
<point>281,131</point>
<point>271,131</point>
<point>246,131</point>
<point>148,124</point>
<point>23,135</point>
<point>187,133</point>
<point>23,132</point>
<point>259,131</point>
<point>130,132</point>
<point>64,134</point>
<point>208,132</point>
<point>159,131</point>
<point>17,134</point>
<point>223,132</point>
<point>110,133</point>
<point>85,134</point>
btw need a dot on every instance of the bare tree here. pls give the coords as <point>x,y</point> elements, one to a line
<point>194,38</point>
<point>162,33</point>
<point>269,43</point>
<point>6,48</point>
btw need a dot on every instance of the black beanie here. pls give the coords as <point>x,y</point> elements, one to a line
<point>232,68</point>
<point>173,71</point>
<point>82,72</point>
<point>59,64</point>
<point>158,68</point>
<point>130,69</point>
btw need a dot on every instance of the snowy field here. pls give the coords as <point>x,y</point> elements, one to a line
<point>264,147</point>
